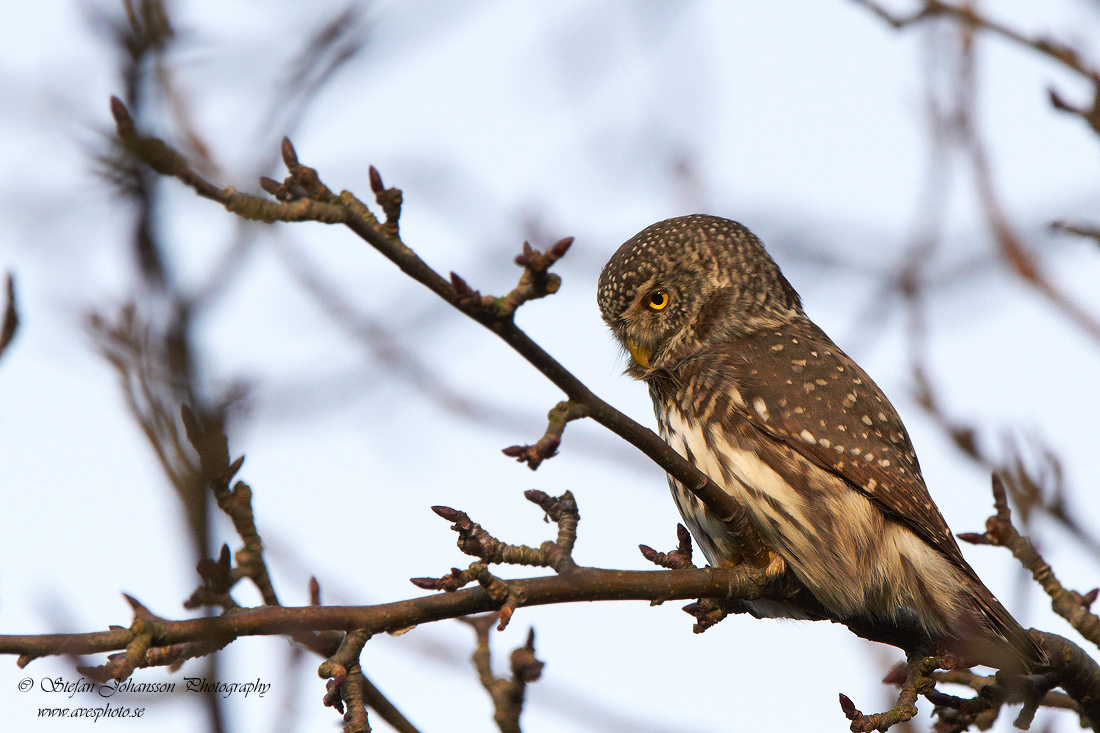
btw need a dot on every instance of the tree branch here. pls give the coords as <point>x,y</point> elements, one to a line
<point>584,584</point>
<point>918,681</point>
<point>1000,531</point>
<point>303,197</point>
<point>507,694</point>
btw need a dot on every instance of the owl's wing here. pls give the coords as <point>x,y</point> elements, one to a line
<point>798,387</point>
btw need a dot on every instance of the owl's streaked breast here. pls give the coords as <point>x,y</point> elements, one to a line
<point>833,538</point>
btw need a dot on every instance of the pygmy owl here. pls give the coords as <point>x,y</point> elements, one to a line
<point>750,391</point>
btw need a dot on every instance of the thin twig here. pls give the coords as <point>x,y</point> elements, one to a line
<point>917,682</point>
<point>507,694</point>
<point>547,446</point>
<point>1001,533</point>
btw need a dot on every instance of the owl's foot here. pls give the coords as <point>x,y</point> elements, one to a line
<point>770,563</point>
<point>775,566</point>
<point>781,581</point>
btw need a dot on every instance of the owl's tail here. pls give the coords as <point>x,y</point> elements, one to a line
<point>1001,641</point>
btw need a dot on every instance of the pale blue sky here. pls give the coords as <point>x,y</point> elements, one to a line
<point>504,121</point>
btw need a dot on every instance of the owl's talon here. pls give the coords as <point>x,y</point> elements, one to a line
<point>776,566</point>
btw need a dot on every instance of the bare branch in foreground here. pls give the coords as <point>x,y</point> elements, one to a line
<point>994,692</point>
<point>161,641</point>
<point>303,197</point>
<point>584,584</point>
<point>345,687</point>
<point>547,445</point>
<point>473,540</point>
<point>1077,673</point>
<point>917,682</point>
<point>1071,606</point>
<point>506,694</point>
<point>678,559</point>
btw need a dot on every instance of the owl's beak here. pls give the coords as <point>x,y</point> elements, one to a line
<point>639,353</point>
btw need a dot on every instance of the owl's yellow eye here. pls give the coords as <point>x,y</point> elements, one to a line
<point>658,300</point>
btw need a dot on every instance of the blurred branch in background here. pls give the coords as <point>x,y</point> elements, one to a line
<point>10,323</point>
<point>1014,251</point>
<point>151,341</point>
<point>952,93</point>
<point>155,374</point>
<point>1082,230</point>
<point>328,50</point>
<point>383,345</point>
<point>970,19</point>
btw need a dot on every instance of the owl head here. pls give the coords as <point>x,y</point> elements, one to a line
<point>686,284</point>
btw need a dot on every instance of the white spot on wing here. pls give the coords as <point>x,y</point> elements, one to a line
<point>761,408</point>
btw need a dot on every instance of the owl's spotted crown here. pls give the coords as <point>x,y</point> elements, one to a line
<point>707,250</point>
